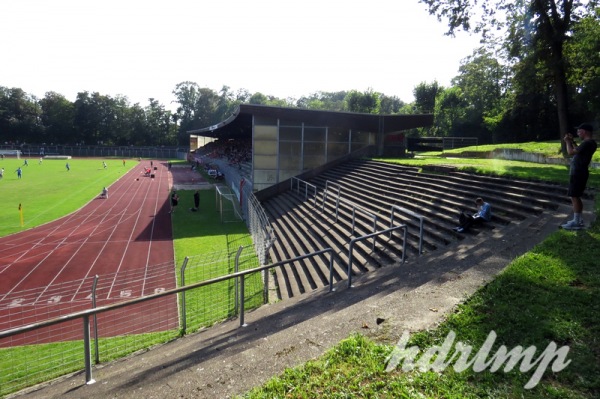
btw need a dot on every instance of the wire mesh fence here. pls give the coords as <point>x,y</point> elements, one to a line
<point>219,301</point>
<point>42,354</point>
<point>25,365</point>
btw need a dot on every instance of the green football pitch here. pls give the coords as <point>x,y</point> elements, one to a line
<point>47,190</point>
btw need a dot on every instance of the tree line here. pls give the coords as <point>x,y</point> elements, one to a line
<point>97,119</point>
<point>536,74</point>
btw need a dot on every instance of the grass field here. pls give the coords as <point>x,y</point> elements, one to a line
<point>48,191</point>
<point>498,167</point>
<point>548,148</point>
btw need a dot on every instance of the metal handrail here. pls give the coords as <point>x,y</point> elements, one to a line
<point>354,209</point>
<point>326,193</point>
<point>354,240</point>
<point>415,215</point>
<point>86,314</point>
<point>306,186</point>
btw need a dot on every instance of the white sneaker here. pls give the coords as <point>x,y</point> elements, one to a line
<point>573,225</point>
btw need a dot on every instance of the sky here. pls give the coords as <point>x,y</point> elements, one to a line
<point>288,49</point>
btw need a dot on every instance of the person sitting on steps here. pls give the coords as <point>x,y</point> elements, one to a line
<point>467,220</point>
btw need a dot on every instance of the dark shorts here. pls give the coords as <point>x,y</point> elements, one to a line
<point>577,183</point>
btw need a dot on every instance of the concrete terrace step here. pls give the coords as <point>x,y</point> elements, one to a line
<point>463,191</point>
<point>375,187</point>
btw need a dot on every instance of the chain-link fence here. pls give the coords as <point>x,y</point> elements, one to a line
<point>47,352</point>
<point>256,219</point>
<point>157,152</point>
<point>218,301</point>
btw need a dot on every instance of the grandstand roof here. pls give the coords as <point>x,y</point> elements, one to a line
<point>239,124</point>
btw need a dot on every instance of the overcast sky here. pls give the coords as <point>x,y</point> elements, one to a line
<point>142,49</point>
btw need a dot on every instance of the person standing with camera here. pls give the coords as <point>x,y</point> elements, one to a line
<point>578,171</point>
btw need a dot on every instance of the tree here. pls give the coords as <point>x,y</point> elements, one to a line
<point>390,105</point>
<point>484,84</point>
<point>258,99</point>
<point>425,94</point>
<point>57,118</point>
<point>542,25</point>
<point>206,108</point>
<point>20,113</point>
<point>583,54</point>
<point>139,125</point>
<point>187,94</point>
<point>321,100</point>
<point>450,112</point>
<point>158,122</point>
<point>367,102</point>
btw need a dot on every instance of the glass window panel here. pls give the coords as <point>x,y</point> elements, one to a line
<point>265,162</point>
<point>265,147</point>
<point>338,135</point>
<point>315,133</point>
<point>290,148</point>
<point>360,137</point>
<point>265,178</point>
<point>265,120</point>
<point>336,150</point>
<point>311,162</point>
<point>265,132</point>
<point>290,122</point>
<point>292,133</point>
<point>291,162</point>
<point>287,173</point>
<point>314,148</point>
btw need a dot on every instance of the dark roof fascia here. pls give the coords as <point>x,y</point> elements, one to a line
<point>364,122</point>
<point>219,125</point>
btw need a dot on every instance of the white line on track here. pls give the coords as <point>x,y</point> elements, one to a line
<point>66,224</point>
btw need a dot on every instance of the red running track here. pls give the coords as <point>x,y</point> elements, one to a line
<point>126,240</point>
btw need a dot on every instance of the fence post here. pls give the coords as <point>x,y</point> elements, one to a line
<point>87,351</point>
<point>183,317</point>
<point>235,270</point>
<point>331,289</point>
<point>96,348</point>
<point>242,283</point>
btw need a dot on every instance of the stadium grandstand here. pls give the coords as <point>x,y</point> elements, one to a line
<point>286,142</point>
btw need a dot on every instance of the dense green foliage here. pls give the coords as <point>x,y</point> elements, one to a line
<point>545,80</point>
<point>96,119</point>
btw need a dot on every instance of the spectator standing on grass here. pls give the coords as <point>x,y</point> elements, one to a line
<point>467,220</point>
<point>578,171</point>
<point>19,172</point>
<point>174,201</point>
<point>196,201</point>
